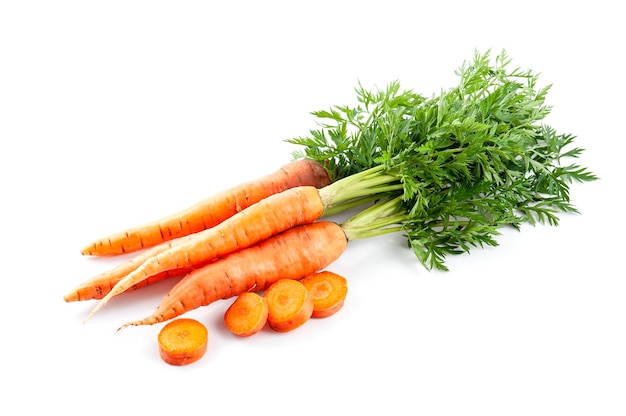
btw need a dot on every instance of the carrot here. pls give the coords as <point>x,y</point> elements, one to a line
<point>211,211</point>
<point>247,315</point>
<point>293,254</point>
<point>183,341</point>
<point>290,305</point>
<point>98,286</point>
<point>328,290</point>
<point>274,214</point>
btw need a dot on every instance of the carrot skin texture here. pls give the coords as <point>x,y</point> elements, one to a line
<point>100,285</point>
<point>210,211</point>
<point>247,315</point>
<point>293,254</point>
<point>182,341</point>
<point>98,288</point>
<point>274,214</point>
<point>290,305</point>
<point>328,290</point>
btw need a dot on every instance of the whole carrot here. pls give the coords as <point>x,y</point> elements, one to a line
<point>293,254</point>
<point>211,211</point>
<point>264,219</point>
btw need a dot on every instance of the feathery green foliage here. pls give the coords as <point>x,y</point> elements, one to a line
<point>448,170</point>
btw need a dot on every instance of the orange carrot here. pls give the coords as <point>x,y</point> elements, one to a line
<point>98,286</point>
<point>247,315</point>
<point>211,211</point>
<point>293,254</point>
<point>290,305</point>
<point>183,341</point>
<point>328,290</point>
<point>274,214</point>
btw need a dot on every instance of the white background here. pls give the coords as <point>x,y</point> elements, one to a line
<point>119,112</point>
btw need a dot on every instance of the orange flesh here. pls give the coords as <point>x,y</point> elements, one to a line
<point>183,341</point>
<point>290,305</point>
<point>328,290</point>
<point>247,315</point>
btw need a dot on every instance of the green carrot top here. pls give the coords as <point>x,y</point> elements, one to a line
<point>448,170</point>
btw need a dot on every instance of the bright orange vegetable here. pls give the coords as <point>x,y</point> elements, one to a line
<point>293,254</point>
<point>183,341</point>
<point>290,305</point>
<point>247,315</point>
<point>264,219</point>
<point>329,290</point>
<point>98,286</point>
<point>211,211</point>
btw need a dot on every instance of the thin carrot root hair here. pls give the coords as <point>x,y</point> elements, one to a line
<point>183,341</point>
<point>269,217</point>
<point>247,315</point>
<point>290,305</point>
<point>210,211</point>
<point>293,254</point>
<point>329,290</point>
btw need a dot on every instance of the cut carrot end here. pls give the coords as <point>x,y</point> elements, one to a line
<point>183,341</point>
<point>328,291</point>
<point>247,315</point>
<point>290,305</point>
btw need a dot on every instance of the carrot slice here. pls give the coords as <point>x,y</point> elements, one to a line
<point>328,290</point>
<point>289,305</point>
<point>183,341</point>
<point>247,315</point>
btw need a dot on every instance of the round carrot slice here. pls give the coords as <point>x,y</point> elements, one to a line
<point>328,290</point>
<point>183,341</point>
<point>247,315</point>
<point>289,305</point>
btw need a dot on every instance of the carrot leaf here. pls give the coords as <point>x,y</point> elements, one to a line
<point>458,165</point>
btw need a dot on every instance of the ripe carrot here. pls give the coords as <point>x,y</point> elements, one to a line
<point>328,290</point>
<point>293,254</point>
<point>98,286</point>
<point>290,305</point>
<point>211,211</point>
<point>247,315</point>
<point>274,214</point>
<point>183,341</point>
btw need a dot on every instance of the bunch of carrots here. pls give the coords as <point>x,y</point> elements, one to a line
<point>446,171</point>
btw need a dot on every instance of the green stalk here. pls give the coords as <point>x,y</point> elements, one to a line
<point>448,170</point>
<point>358,188</point>
<point>381,218</point>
